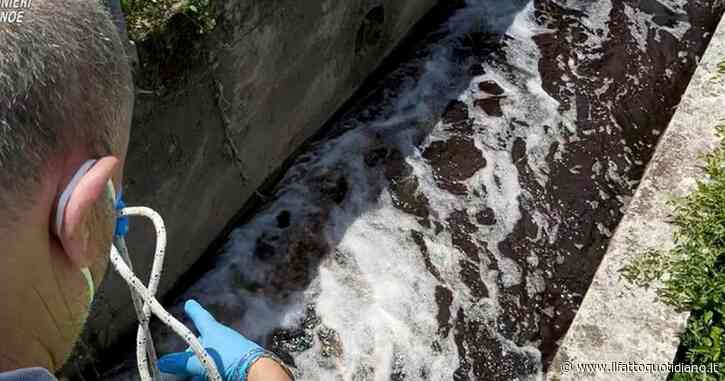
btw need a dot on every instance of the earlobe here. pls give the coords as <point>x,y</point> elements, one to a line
<point>77,217</point>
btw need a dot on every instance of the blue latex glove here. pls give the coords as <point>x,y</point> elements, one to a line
<point>232,352</point>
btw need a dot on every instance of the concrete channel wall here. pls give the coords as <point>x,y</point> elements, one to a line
<point>207,136</point>
<point>617,321</point>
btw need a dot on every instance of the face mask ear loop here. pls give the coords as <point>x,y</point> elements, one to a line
<point>60,213</point>
<point>121,262</point>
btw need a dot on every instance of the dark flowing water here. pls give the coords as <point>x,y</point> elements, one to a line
<point>448,225</point>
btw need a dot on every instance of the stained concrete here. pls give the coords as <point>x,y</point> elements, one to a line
<point>618,321</point>
<point>215,116</point>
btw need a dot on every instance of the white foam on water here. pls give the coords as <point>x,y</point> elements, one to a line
<point>640,23</point>
<point>387,307</point>
<point>384,306</point>
<point>374,290</point>
<point>382,303</point>
<point>595,18</point>
<point>637,26</point>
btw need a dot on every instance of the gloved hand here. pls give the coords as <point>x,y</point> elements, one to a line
<point>232,352</point>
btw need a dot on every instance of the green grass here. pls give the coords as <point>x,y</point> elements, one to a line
<point>649,266</point>
<point>693,271</point>
<point>148,17</point>
<point>696,277</point>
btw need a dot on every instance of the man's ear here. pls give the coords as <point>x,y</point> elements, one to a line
<point>78,219</point>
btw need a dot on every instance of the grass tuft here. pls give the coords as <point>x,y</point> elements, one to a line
<point>648,267</point>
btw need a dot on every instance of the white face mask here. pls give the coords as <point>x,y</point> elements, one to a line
<point>60,212</point>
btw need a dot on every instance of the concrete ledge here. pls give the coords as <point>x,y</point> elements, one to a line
<point>617,321</point>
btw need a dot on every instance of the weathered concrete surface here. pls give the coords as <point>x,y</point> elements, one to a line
<point>215,119</point>
<point>619,322</point>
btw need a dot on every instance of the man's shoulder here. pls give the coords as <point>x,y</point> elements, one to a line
<point>29,374</point>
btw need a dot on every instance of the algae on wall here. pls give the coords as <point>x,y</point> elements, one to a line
<point>145,17</point>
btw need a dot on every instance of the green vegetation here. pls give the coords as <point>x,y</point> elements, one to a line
<point>693,271</point>
<point>148,17</point>
<point>647,267</point>
<point>696,278</point>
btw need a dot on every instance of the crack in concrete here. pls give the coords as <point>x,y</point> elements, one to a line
<point>224,105</point>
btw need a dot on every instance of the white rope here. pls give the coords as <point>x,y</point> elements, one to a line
<point>143,335</point>
<point>152,305</point>
<point>144,342</point>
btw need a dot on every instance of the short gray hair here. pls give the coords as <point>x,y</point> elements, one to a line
<point>65,82</point>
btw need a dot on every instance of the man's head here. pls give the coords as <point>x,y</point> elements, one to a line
<point>65,97</point>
